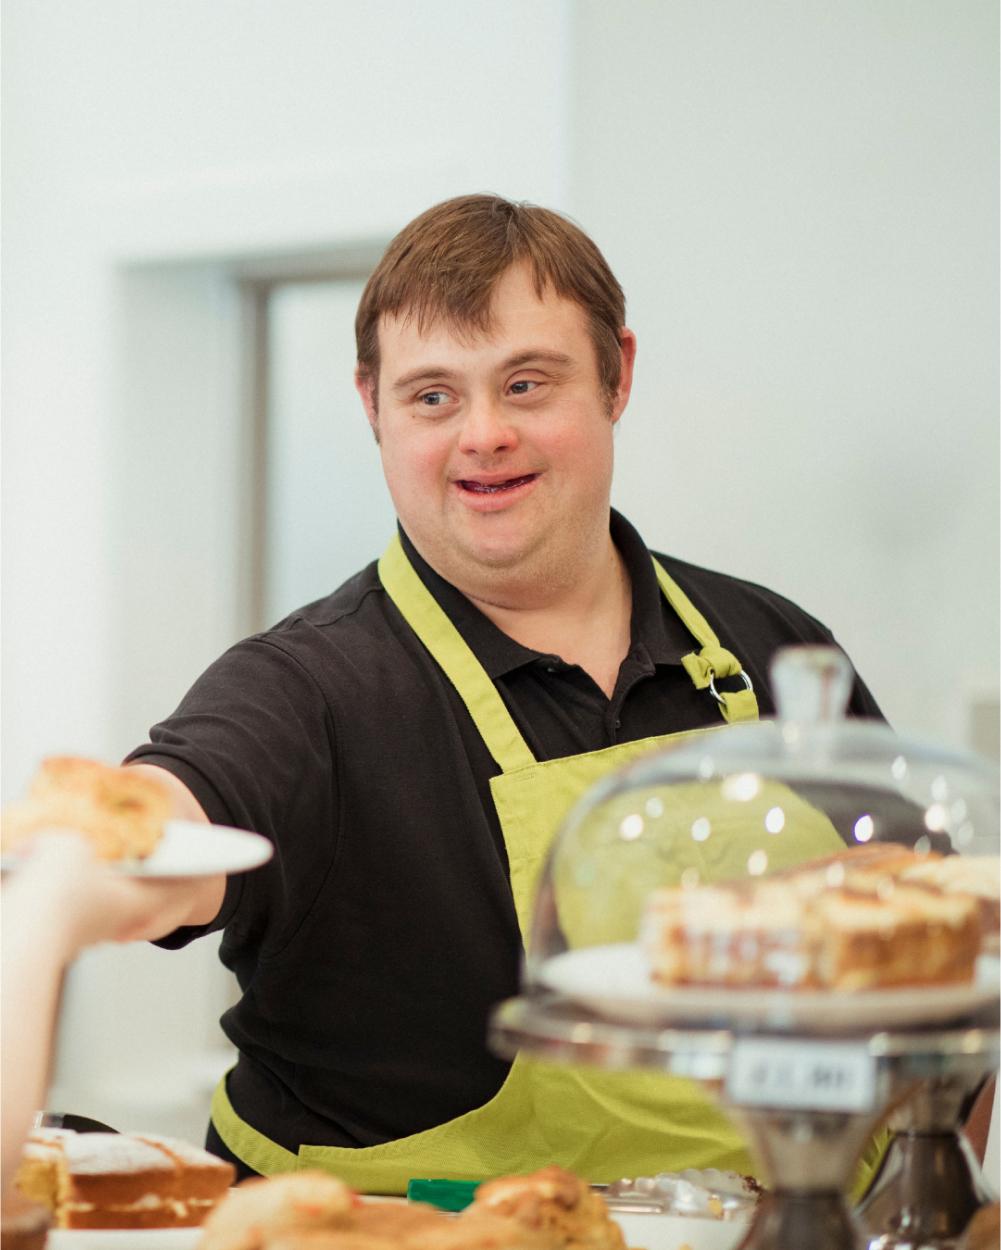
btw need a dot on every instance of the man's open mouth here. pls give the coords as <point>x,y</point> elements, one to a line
<point>493,488</point>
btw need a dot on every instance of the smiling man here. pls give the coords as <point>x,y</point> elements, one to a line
<point>411,743</point>
<point>497,450</point>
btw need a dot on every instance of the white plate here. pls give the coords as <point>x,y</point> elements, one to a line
<point>123,1239</point>
<point>615,981</point>
<point>674,1232</point>
<point>191,848</point>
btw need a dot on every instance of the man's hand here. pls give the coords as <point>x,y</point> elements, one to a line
<point>205,894</point>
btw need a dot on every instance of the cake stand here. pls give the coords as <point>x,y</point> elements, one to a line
<point>808,1103</point>
<point>930,1183</point>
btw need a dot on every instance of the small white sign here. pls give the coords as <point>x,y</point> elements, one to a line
<point>812,1076</point>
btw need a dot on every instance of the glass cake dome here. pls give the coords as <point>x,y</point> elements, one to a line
<point>764,871</point>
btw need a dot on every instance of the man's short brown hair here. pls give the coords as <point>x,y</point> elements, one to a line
<point>445,264</point>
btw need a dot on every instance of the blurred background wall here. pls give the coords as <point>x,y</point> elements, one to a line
<point>800,200</point>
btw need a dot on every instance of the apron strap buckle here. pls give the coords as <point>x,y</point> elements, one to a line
<point>721,698</point>
<point>715,661</point>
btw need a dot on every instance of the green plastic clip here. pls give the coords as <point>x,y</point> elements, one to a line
<point>445,1195</point>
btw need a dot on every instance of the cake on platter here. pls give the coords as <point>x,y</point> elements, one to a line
<point>120,1180</point>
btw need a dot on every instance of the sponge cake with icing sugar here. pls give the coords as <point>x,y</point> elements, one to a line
<point>119,1180</point>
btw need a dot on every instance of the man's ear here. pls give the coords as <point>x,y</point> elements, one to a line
<point>627,343</point>
<point>366,387</point>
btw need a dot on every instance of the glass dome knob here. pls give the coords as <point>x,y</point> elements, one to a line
<point>811,684</point>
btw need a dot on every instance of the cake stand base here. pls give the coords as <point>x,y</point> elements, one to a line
<point>792,1218</point>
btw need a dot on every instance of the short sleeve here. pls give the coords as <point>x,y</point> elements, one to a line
<point>254,742</point>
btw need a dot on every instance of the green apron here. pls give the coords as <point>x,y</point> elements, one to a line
<point>600,1125</point>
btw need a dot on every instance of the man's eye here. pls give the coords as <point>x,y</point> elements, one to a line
<point>523,386</point>
<point>433,399</point>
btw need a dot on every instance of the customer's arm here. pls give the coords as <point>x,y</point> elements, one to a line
<point>58,902</point>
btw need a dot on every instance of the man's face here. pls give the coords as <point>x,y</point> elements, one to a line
<point>498,449</point>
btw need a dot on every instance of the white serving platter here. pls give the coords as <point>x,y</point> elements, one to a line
<point>123,1239</point>
<point>615,982</point>
<point>676,1232</point>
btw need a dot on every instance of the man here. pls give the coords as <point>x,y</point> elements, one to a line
<point>411,742</point>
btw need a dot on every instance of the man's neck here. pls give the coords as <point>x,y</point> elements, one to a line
<point>584,620</point>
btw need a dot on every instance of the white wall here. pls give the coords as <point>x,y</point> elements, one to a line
<point>801,203</point>
<point>151,151</point>
<point>158,132</point>
<point>328,508</point>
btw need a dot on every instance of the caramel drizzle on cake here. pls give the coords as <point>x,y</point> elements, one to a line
<point>847,922</point>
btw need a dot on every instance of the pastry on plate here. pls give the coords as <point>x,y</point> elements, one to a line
<point>480,1230</point>
<point>551,1210</point>
<point>259,1211</point>
<point>555,1203</point>
<point>328,1239</point>
<point>122,811</point>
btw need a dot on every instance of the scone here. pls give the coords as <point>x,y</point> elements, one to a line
<point>259,1211</point>
<point>120,810</point>
<point>330,1239</point>
<point>555,1203</point>
<point>439,1232</point>
<point>395,1221</point>
<point>481,1230</point>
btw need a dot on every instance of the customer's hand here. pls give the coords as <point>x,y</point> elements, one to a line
<point>81,900</point>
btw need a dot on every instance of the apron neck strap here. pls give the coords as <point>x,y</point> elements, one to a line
<point>713,660</point>
<point>427,619</point>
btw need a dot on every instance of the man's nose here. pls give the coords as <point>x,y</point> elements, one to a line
<point>487,428</point>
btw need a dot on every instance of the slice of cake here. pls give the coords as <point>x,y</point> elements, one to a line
<point>847,922</point>
<point>894,937</point>
<point>119,1180</point>
<point>978,876</point>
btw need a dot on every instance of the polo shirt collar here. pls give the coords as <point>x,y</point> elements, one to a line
<point>657,632</point>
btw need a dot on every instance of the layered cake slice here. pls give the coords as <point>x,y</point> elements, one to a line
<point>118,1180</point>
<point>845,923</point>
